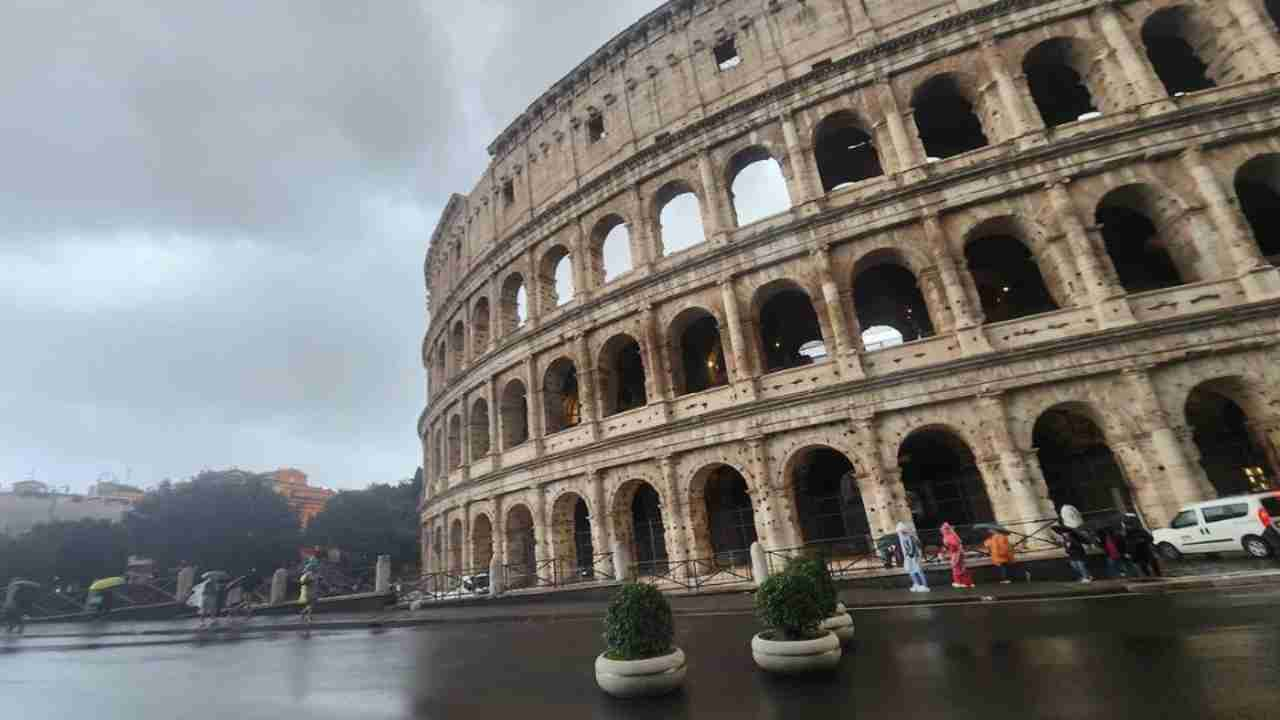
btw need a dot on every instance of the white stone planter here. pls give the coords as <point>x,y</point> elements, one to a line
<point>792,657</point>
<point>841,624</point>
<point>640,678</point>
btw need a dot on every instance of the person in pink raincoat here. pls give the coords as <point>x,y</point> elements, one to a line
<point>951,542</point>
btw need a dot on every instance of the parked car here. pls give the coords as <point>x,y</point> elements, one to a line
<point>1243,522</point>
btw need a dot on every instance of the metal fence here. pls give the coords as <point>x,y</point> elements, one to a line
<point>696,574</point>
<point>543,574</point>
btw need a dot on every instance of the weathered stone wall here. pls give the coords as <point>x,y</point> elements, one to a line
<point>1127,360</point>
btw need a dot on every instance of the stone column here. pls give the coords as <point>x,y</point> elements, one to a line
<point>1258,34</point>
<point>496,328</point>
<point>465,436</point>
<point>382,575</point>
<point>536,417</point>
<point>1147,87</point>
<point>1010,99</point>
<point>715,218</point>
<point>972,339</point>
<point>679,544</point>
<point>499,526</point>
<point>644,234</point>
<point>1259,279</point>
<point>771,505</point>
<point>1176,479</point>
<point>845,353</point>
<point>588,388</point>
<point>533,290</point>
<point>803,189</point>
<point>744,379</point>
<point>601,534</point>
<point>495,411</point>
<point>935,296</point>
<point>907,148</point>
<point>1103,288</point>
<point>581,259</point>
<point>542,549</point>
<point>657,375</point>
<point>1027,499</point>
<point>468,559</point>
<point>881,490</point>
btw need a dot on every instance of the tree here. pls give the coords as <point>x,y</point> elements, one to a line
<point>78,551</point>
<point>231,521</point>
<point>379,520</point>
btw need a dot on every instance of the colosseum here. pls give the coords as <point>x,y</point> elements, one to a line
<point>1021,254</point>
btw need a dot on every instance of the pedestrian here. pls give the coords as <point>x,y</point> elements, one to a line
<point>1073,543</point>
<point>997,545</point>
<point>1141,546</point>
<point>1113,545</point>
<point>19,597</point>
<point>911,553</point>
<point>309,593</point>
<point>951,542</point>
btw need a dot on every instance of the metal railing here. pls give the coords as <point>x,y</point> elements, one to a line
<point>543,574</point>
<point>696,574</point>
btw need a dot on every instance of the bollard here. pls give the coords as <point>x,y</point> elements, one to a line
<point>186,581</point>
<point>279,586</point>
<point>382,578</point>
<point>759,563</point>
<point>495,577</point>
<point>621,561</point>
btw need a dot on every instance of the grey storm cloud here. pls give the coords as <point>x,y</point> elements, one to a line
<point>213,218</point>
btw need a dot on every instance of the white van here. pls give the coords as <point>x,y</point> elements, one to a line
<point>1223,525</point>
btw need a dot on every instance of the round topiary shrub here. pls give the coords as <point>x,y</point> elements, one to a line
<point>791,604</point>
<point>638,624</point>
<point>816,568</point>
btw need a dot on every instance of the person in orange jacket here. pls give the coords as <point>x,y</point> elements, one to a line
<point>997,545</point>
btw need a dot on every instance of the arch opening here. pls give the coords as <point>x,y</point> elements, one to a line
<point>458,344</point>
<point>520,553</point>
<point>829,505</point>
<point>455,547</point>
<point>649,541</point>
<point>622,375</point>
<point>942,480</point>
<point>1257,186</point>
<point>514,304</point>
<point>610,250</point>
<point>945,119</point>
<point>890,308</point>
<point>698,362</point>
<point>1168,35</point>
<point>1273,12</point>
<point>572,545</point>
<point>479,430</point>
<point>1008,280</point>
<point>560,396</point>
<point>679,219</point>
<point>723,517</point>
<point>845,153</point>
<point>482,543</point>
<point>1056,83</point>
<point>1138,251</point>
<point>555,278</point>
<point>480,327</point>
<point>1078,465</point>
<point>788,327</point>
<point>515,414</point>
<point>455,442</point>
<point>1233,451</point>
<point>438,451</point>
<point>758,188</point>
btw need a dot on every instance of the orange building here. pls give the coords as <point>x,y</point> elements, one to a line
<point>303,499</point>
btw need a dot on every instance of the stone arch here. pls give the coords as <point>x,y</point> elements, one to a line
<point>1076,459</point>
<point>758,186</point>
<point>481,542</point>
<point>1232,427</point>
<point>887,296</point>
<point>1257,186</point>
<point>571,543</point>
<point>1007,275</point>
<point>789,326</point>
<point>441,465</point>
<point>678,217</point>
<point>479,431</point>
<point>697,351</point>
<point>455,546</point>
<point>560,399</point>
<point>829,507</point>
<point>480,327</point>
<point>941,478</point>
<point>458,344</point>
<point>513,305</point>
<point>721,515</point>
<point>620,373</point>
<point>455,442</point>
<point>515,414</point>
<point>946,117</point>
<point>1137,222</point>
<point>437,536</point>
<point>555,278</point>
<point>1183,50</point>
<point>520,546</point>
<point>845,151</point>
<point>611,252</point>
<point>442,365</point>
<point>638,517</point>
<point>1058,72</point>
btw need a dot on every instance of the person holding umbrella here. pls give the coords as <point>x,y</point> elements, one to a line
<point>1073,541</point>
<point>951,542</point>
<point>18,600</point>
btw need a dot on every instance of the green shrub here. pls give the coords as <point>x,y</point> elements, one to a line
<point>638,624</point>
<point>790,603</point>
<point>816,568</point>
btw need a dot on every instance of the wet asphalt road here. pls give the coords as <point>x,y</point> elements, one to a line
<point>1185,655</point>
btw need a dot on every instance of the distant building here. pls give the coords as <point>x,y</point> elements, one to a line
<point>30,487</point>
<point>31,503</point>
<point>303,499</point>
<point>107,489</point>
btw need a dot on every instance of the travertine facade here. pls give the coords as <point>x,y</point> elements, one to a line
<point>1065,208</point>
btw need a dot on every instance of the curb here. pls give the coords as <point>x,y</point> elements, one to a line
<point>1206,583</point>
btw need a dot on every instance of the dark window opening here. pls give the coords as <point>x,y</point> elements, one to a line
<point>509,192</point>
<point>479,430</point>
<point>701,357</point>
<point>942,481</point>
<point>583,547</point>
<point>1132,242</point>
<point>622,375</point>
<point>730,518</point>
<point>1256,185</point>
<point>515,414</point>
<point>1058,90</point>
<point>482,544</point>
<point>946,120</point>
<point>560,395</point>
<point>1009,282</point>
<point>595,128</point>
<point>726,54</point>
<point>887,296</point>
<point>845,153</point>
<point>1231,451</point>
<point>788,322</point>
<point>1273,12</point>
<point>1078,465</point>
<point>1174,60</point>
<point>520,548</point>
<point>649,535</point>
<point>455,442</point>
<point>829,504</point>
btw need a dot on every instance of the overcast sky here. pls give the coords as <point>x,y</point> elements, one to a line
<point>213,218</point>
